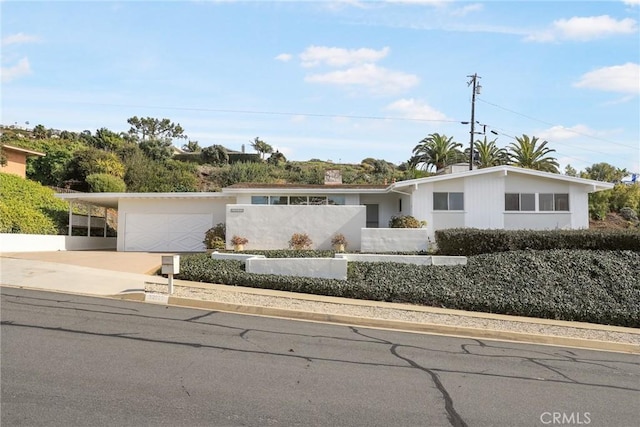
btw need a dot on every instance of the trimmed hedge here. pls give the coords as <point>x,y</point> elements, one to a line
<point>577,285</point>
<point>472,241</point>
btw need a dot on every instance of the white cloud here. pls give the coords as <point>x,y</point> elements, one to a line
<point>18,39</point>
<point>339,57</point>
<point>284,57</point>
<point>427,2</point>
<point>415,110</point>
<point>22,68</point>
<point>631,2</point>
<point>465,10</point>
<point>377,79</point>
<point>585,28</point>
<point>560,133</point>
<point>618,78</point>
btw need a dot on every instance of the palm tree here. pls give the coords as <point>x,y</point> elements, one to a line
<point>261,147</point>
<point>526,154</point>
<point>489,154</point>
<point>436,150</point>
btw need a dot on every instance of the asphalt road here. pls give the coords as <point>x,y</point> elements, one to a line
<point>79,361</point>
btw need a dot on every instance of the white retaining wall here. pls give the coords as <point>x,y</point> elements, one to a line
<point>406,259</point>
<point>10,242</point>
<point>325,268</point>
<point>394,240</point>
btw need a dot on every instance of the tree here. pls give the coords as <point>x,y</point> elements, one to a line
<point>261,147</point>
<point>90,160</point>
<point>489,154</point>
<point>570,171</point>
<point>192,147</point>
<point>107,140</point>
<point>215,155</point>
<point>155,135</point>
<point>526,153</point>
<point>604,172</point>
<point>277,158</point>
<point>40,132</point>
<point>149,128</point>
<point>105,183</point>
<point>436,150</point>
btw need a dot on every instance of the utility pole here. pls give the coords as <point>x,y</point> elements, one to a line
<point>476,90</point>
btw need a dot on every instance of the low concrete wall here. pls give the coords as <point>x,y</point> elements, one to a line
<point>406,259</point>
<point>394,240</point>
<point>325,268</point>
<point>235,256</point>
<point>10,242</point>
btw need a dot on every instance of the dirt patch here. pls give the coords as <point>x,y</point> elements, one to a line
<point>612,221</point>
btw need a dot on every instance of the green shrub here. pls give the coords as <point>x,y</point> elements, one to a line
<point>471,241</point>
<point>105,183</point>
<point>405,221</point>
<point>575,285</point>
<point>215,237</point>
<point>30,208</point>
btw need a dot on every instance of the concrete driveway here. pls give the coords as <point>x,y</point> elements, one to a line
<point>82,272</point>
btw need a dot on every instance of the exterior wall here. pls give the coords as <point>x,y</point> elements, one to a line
<point>394,240</point>
<point>271,226</point>
<point>213,207</point>
<point>484,201</point>
<point>46,243</point>
<point>537,221</point>
<point>16,163</point>
<point>579,206</point>
<point>387,206</point>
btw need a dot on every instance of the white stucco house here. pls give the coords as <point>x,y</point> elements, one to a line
<point>501,197</point>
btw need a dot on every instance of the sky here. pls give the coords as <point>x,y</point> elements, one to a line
<point>333,80</point>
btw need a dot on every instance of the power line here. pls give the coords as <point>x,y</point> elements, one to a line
<point>551,124</point>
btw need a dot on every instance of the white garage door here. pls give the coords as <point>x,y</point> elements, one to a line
<point>166,232</point>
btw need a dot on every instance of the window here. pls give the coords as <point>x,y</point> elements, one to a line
<point>399,205</point>
<point>336,200</point>
<point>259,200</point>
<point>448,201</point>
<point>298,200</point>
<point>519,202</point>
<point>279,200</point>
<point>317,200</point>
<point>553,202</point>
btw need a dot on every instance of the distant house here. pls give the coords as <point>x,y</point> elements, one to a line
<point>501,197</point>
<point>17,159</point>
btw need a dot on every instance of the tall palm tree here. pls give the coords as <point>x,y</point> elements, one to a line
<point>261,147</point>
<point>526,153</point>
<point>436,150</point>
<point>489,154</point>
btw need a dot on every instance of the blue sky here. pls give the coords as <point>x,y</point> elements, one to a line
<point>333,80</point>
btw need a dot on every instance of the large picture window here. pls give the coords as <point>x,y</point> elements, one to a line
<point>448,201</point>
<point>519,202</point>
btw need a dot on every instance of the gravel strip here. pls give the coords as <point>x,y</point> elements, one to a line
<point>235,297</point>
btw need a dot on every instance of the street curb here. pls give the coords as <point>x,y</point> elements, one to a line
<point>466,332</point>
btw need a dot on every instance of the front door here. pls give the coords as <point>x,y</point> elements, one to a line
<point>372,216</point>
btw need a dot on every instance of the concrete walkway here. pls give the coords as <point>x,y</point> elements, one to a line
<point>130,275</point>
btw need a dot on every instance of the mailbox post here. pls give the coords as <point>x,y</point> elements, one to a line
<point>170,266</point>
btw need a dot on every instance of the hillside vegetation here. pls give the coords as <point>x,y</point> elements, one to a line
<point>28,207</point>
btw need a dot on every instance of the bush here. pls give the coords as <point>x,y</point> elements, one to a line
<point>471,241</point>
<point>105,183</point>
<point>628,214</point>
<point>215,237</point>
<point>28,207</point>
<point>575,285</point>
<point>300,241</point>
<point>405,221</point>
